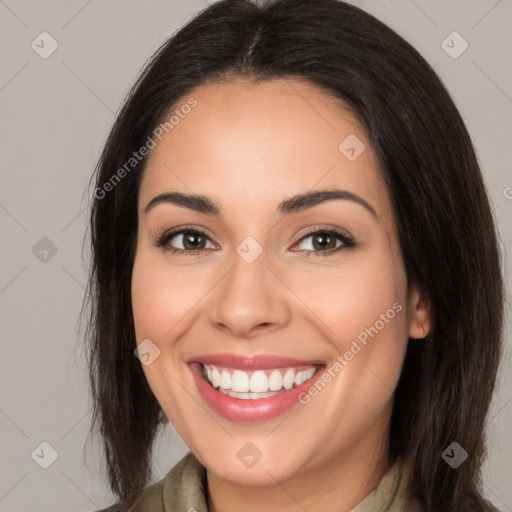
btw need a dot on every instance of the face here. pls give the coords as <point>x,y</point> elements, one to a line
<point>298,311</point>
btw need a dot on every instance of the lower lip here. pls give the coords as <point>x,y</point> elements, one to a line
<point>249,411</point>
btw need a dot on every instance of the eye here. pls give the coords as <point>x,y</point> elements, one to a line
<point>325,242</point>
<point>192,241</point>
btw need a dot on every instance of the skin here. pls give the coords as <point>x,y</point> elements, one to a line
<point>249,147</point>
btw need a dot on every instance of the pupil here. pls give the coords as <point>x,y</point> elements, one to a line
<point>188,240</point>
<point>324,241</point>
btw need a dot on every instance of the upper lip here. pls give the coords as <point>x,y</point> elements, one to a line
<point>256,362</point>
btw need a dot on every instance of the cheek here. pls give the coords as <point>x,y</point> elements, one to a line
<point>160,298</point>
<point>362,311</point>
<point>372,333</point>
<point>352,297</point>
<point>160,303</point>
<point>374,319</point>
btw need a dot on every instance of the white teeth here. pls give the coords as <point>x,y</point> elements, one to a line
<point>247,396</point>
<point>215,377</point>
<point>307,374</point>
<point>258,384</point>
<point>239,381</point>
<point>288,379</point>
<point>225,380</point>
<point>275,381</point>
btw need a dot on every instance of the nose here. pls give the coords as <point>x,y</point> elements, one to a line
<point>250,300</point>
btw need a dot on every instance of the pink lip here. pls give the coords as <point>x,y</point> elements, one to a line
<point>250,411</point>
<point>259,362</point>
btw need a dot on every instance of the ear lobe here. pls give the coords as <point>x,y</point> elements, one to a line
<point>419,314</point>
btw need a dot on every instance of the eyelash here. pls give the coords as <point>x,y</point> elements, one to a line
<point>347,241</point>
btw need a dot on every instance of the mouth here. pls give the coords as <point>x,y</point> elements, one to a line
<point>255,385</point>
<point>252,389</point>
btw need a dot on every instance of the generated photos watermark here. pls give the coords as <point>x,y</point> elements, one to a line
<point>355,348</point>
<point>137,156</point>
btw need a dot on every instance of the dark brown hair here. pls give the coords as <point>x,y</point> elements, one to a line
<point>446,229</point>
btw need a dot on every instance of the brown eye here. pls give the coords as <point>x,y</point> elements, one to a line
<point>190,240</point>
<point>325,242</point>
<point>193,240</point>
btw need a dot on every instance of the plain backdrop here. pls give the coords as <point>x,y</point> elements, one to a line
<point>55,115</point>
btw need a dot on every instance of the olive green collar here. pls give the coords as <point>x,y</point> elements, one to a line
<point>184,488</point>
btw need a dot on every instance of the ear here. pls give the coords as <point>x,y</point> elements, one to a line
<point>419,314</point>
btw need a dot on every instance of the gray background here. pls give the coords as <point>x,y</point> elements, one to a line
<point>55,115</point>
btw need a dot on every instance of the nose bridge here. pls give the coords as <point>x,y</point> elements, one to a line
<point>250,296</point>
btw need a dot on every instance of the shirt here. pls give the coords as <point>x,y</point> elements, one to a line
<point>183,488</point>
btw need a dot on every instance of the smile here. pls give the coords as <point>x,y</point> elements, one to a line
<point>245,389</point>
<point>257,384</point>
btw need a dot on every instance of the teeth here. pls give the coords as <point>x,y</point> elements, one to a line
<point>247,396</point>
<point>258,384</point>
<point>239,381</point>
<point>215,378</point>
<point>275,381</point>
<point>307,374</point>
<point>225,380</point>
<point>288,379</point>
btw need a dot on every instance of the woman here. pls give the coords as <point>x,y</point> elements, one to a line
<point>294,262</point>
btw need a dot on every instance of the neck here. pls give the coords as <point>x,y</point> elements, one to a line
<point>344,481</point>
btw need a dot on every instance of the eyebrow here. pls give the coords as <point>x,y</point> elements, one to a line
<point>297,203</point>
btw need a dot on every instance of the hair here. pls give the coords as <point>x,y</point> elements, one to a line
<point>446,228</point>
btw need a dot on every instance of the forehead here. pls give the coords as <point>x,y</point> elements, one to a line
<point>250,145</point>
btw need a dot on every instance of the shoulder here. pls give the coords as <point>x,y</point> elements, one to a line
<point>184,479</point>
<point>150,500</point>
<point>112,508</point>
